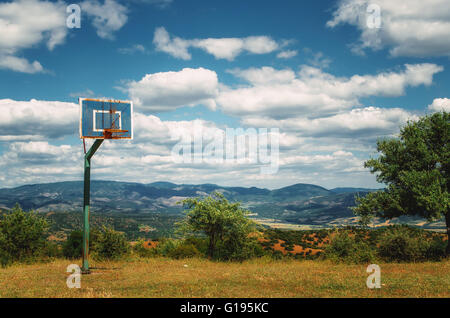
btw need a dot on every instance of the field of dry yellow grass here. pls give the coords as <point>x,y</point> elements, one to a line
<point>162,277</point>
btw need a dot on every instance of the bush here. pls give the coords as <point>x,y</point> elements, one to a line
<point>405,244</point>
<point>51,250</point>
<point>5,258</point>
<point>200,243</point>
<point>73,246</point>
<point>22,235</point>
<point>436,249</point>
<point>111,245</point>
<point>239,249</point>
<point>344,248</point>
<point>184,251</point>
<point>166,245</point>
<point>140,249</point>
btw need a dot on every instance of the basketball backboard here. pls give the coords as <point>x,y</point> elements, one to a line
<point>106,119</point>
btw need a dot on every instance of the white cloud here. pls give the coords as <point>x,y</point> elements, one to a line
<point>319,60</point>
<point>20,64</point>
<point>276,94</point>
<point>41,119</point>
<point>220,48</point>
<point>28,23</point>
<point>416,28</point>
<point>133,49</point>
<point>440,104</point>
<point>357,123</point>
<point>265,75</point>
<point>108,17</point>
<point>169,90</point>
<point>176,47</point>
<point>87,93</point>
<point>148,157</point>
<point>287,54</point>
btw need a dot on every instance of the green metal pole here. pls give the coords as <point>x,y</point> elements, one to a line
<point>87,188</point>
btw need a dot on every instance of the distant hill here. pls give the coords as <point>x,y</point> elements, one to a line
<point>349,190</point>
<point>135,207</point>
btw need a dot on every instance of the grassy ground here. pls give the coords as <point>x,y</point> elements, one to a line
<point>160,277</point>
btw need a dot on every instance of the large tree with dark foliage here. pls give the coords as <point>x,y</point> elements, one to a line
<point>415,168</point>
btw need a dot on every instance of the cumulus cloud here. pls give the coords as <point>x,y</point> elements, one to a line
<point>149,156</point>
<point>220,48</point>
<point>265,75</point>
<point>356,123</point>
<point>20,64</point>
<point>39,119</point>
<point>440,104</point>
<point>28,23</point>
<point>40,162</point>
<point>167,91</point>
<point>312,91</point>
<point>107,18</point>
<point>416,28</point>
<point>177,47</point>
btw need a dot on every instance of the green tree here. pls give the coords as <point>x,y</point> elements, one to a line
<point>111,244</point>
<point>224,223</point>
<point>22,234</point>
<point>415,168</point>
<point>73,246</point>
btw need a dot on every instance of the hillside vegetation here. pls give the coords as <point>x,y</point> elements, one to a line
<point>150,210</point>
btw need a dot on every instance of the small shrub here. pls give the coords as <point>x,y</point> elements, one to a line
<point>73,246</point>
<point>22,234</point>
<point>405,244</point>
<point>436,249</point>
<point>5,258</point>
<point>184,251</point>
<point>143,251</point>
<point>277,255</point>
<point>51,250</point>
<point>344,248</point>
<point>166,245</point>
<point>200,243</point>
<point>289,248</point>
<point>239,250</point>
<point>111,245</point>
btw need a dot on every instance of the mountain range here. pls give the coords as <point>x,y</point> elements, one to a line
<point>296,206</point>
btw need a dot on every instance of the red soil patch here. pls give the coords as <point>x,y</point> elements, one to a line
<point>147,244</point>
<point>297,249</point>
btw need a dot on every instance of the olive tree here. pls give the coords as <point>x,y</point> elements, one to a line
<point>225,224</point>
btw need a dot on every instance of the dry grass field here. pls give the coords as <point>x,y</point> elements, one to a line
<point>162,277</point>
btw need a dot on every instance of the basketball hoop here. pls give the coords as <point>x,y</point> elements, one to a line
<point>114,133</point>
<point>100,120</point>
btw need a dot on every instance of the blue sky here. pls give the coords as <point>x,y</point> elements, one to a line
<point>314,70</point>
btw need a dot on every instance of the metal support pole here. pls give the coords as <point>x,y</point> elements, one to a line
<point>87,188</point>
